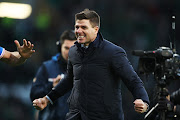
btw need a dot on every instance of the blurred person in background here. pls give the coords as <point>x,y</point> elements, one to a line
<point>175,99</point>
<point>170,105</point>
<point>17,57</point>
<point>49,75</point>
<point>95,66</point>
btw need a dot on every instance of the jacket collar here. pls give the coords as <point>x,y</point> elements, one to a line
<point>95,43</point>
<point>58,57</point>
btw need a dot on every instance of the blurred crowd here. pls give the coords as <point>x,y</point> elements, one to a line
<point>133,25</point>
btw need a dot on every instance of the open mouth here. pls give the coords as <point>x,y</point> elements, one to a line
<point>80,36</point>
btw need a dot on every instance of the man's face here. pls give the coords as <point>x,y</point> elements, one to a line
<point>84,31</point>
<point>65,48</point>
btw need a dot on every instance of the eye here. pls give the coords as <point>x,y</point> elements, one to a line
<point>76,27</point>
<point>84,27</point>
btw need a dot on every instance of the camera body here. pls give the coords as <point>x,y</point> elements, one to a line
<point>161,62</point>
<point>164,64</point>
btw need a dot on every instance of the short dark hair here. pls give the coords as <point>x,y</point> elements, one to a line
<point>91,15</point>
<point>66,35</point>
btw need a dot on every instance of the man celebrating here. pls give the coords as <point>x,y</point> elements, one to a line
<point>95,70</point>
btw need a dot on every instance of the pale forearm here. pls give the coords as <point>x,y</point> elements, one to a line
<point>17,58</point>
<point>13,58</point>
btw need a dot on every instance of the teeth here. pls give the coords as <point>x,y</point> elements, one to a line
<point>80,36</point>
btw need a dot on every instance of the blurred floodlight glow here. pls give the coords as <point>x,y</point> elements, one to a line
<point>15,10</point>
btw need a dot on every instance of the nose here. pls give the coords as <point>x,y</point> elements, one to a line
<point>79,30</point>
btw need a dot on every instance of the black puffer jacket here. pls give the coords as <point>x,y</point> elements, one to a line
<point>95,76</point>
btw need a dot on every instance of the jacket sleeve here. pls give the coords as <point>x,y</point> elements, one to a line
<point>64,85</point>
<point>1,52</point>
<point>40,85</point>
<point>125,71</point>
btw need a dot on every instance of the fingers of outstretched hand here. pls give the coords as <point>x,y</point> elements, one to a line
<point>25,42</point>
<point>17,43</point>
<point>29,45</point>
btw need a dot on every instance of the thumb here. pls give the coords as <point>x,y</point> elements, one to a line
<point>17,43</point>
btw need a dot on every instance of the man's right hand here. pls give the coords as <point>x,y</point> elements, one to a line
<point>40,103</point>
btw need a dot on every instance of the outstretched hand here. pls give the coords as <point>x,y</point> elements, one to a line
<point>26,50</point>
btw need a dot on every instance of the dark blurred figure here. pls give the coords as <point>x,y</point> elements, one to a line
<point>169,104</point>
<point>49,75</point>
<point>175,99</point>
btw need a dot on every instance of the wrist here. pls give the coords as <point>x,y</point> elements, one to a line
<point>147,106</point>
<point>23,58</point>
<point>48,100</point>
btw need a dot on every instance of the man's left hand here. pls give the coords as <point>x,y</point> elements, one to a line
<point>140,106</point>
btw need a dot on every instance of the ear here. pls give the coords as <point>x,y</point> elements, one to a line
<point>96,28</point>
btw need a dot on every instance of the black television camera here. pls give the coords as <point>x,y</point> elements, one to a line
<point>163,63</point>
